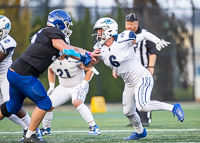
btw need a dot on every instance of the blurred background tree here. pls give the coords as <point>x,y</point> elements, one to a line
<point>20,23</point>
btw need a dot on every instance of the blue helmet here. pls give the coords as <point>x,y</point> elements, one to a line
<point>60,19</point>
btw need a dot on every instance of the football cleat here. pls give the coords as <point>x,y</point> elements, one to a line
<point>33,138</point>
<point>45,131</point>
<point>178,111</point>
<point>94,130</point>
<point>23,136</point>
<point>136,136</point>
<point>39,133</point>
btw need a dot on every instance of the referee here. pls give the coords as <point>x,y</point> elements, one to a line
<point>146,52</point>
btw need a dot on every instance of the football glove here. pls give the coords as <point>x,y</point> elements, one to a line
<point>161,44</point>
<point>49,91</point>
<point>51,88</point>
<point>86,59</point>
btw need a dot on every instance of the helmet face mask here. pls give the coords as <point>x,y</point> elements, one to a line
<point>61,20</point>
<point>67,30</point>
<point>5,26</point>
<point>109,29</point>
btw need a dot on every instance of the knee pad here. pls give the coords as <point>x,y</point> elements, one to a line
<point>128,111</point>
<point>46,104</point>
<point>4,110</point>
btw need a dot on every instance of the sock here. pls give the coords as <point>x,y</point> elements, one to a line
<point>136,122</point>
<point>86,114</point>
<point>18,121</point>
<point>26,120</point>
<point>157,105</point>
<point>47,119</point>
<point>139,129</point>
<point>29,133</point>
<point>92,123</point>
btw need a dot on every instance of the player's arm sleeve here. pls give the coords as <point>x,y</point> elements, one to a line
<point>146,35</point>
<point>151,47</point>
<point>126,36</point>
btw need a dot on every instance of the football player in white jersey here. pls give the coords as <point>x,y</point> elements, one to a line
<point>7,46</point>
<point>117,53</point>
<point>73,84</point>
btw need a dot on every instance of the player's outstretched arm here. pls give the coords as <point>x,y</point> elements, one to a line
<point>151,37</point>
<point>51,79</point>
<point>70,51</point>
<point>61,45</point>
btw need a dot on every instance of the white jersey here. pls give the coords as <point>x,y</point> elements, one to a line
<point>68,72</point>
<point>121,57</point>
<point>7,46</point>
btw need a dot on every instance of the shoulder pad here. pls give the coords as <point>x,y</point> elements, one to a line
<point>126,35</point>
<point>7,45</point>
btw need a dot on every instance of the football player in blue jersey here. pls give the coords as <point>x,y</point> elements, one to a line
<point>118,53</point>
<point>46,45</point>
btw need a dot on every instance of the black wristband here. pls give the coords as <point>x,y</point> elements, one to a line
<point>150,66</point>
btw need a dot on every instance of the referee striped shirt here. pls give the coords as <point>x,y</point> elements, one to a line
<point>144,48</point>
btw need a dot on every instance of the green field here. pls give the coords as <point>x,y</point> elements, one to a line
<point>68,126</point>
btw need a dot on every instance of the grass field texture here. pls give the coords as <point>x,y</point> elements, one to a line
<point>68,126</point>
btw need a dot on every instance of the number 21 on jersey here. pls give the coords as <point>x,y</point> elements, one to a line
<point>61,72</point>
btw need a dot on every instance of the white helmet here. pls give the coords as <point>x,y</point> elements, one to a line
<point>5,26</point>
<point>109,26</point>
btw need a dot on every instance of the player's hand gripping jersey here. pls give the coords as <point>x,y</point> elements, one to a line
<point>7,46</point>
<point>121,57</point>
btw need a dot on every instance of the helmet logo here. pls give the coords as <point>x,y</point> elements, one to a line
<point>7,26</point>
<point>68,18</point>
<point>1,16</point>
<point>107,21</point>
<point>57,13</point>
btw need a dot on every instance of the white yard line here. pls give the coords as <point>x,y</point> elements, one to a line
<point>104,131</point>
